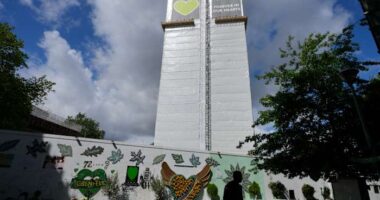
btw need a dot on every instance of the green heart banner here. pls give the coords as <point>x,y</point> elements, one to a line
<point>89,182</point>
<point>185,9</point>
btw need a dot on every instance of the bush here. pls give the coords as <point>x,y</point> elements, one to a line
<point>278,190</point>
<point>308,192</point>
<point>212,191</point>
<point>160,189</point>
<point>113,190</point>
<point>326,193</point>
<point>254,191</point>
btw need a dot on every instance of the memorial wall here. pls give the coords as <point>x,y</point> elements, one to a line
<point>59,167</point>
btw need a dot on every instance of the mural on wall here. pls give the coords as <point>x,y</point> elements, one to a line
<point>145,179</point>
<point>54,162</point>
<point>89,182</point>
<point>158,159</point>
<point>37,147</point>
<point>87,164</point>
<point>245,183</point>
<point>90,164</point>
<point>93,151</point>
<point>132,176</point>
<point>194,161</point>
<point>254,168</point>
<point>6,159</point>
<point>25,195</point>
<point>5,146</point>
<point>137,157</point>
<point>178,158</point>
<point>115,157</point>
<point>65,150</point>
<point>182,188</point>
<point>212,162</point>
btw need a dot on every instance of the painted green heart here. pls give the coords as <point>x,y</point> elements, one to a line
<point>132,172</point>
<point>89,182</point>
<point>184,7</point>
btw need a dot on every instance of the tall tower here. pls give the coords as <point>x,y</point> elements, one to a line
<point>204,98</point>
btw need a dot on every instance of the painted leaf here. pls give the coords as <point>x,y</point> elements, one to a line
<point>8,145</point>
<point>65,150</point>
<point>210,161</point>
<point>137,157</point>
<point>194,160</point>
<point>178,158</point>
<point>93,151</point>
<point>116,156</point>
<point>158,159</point>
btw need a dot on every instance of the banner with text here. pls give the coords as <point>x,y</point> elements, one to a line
<point>226,8</point>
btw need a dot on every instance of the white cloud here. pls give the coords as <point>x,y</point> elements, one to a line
<point>50,10</point>
<point>272,21</point>
<point>123,97</point>
<point>128,81</point>
<point>74,89</point>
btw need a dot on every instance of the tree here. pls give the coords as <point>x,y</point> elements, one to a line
<point>325,192</point>
<point>278,190</point>
<point>254,191</point>
<point>316,130</point>
<point>90,128</point>
<point>17,94</point>
<point>308,192</point>
<point>212,191</point>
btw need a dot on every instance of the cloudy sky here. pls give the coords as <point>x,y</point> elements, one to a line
<point>105,55</point>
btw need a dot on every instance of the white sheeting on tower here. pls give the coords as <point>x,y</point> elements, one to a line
<point>178,111</point>
<point>183,96</point>
<point>230,88</point>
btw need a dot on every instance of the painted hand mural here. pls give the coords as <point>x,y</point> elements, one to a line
<point>182,188</point>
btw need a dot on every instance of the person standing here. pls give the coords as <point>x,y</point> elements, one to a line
<point>233,190</point>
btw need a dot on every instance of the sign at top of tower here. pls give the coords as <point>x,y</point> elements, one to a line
<point>185,9</point>
<point>226,8</point>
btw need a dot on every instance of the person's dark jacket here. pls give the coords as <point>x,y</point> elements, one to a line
<point>233,191</point>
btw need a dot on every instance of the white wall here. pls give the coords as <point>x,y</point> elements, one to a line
<point>24,174</point>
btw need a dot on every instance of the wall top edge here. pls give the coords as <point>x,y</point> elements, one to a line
<point>111,142</point>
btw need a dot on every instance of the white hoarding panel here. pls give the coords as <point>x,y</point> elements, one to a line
<point>226,8</point>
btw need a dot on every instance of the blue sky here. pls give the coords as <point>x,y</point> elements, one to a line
<point>105,55</point>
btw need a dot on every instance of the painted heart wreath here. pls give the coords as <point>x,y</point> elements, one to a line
<point>89,182</point>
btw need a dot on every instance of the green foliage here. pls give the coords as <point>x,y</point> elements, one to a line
<point>254,191</point>
<point>326,193</point>
<point>17,94</point>
<point>308,192</point>
<point>161,192</point>
<point>316,130</point>
<point>278,190</point>
<point>113,190</point>
<point>212,191</point>
<point>90,128</point>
